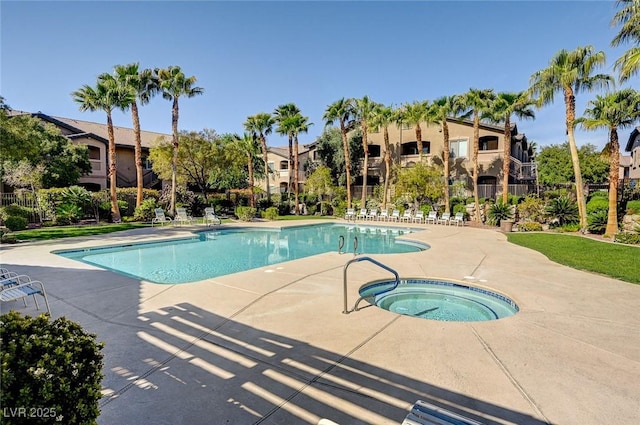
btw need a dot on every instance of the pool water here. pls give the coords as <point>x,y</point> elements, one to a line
<point>221,252</point>
<point>439,300</point>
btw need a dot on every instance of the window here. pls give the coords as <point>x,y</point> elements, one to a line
<point>459,148</point>
<point>272,166</point>
<point>409,148</point>
<point>374,151</point>
<point>94,153</point>
<point>284,165</point>
<point>146,164</point>
<point>488,143</point>
<point>426,147</point>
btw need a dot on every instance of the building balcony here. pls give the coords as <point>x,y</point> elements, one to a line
<point>522,170</point>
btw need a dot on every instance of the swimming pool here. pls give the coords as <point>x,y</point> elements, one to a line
<point>225,251</point>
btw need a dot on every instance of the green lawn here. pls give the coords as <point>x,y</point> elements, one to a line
<point>58,232</point>
<point>610,259</point>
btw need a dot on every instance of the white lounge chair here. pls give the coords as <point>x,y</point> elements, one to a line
<point>445,218</point>
<point>384,215</point>
<point>20,287</point>
<point>432,217</point>
<point>373,214</point>
<point>160,218</point>
<point>182,216</point>
<point>419,217</point>
<point>407,216</point>
<point>350,215</point>
<point>458,219</point>
<point>363,214</point>
<point>395,215</point>
<point>210,217</point>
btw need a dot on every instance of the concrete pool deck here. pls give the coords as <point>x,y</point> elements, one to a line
<point>271,345</point>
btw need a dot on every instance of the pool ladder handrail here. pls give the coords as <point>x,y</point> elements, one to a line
<point>341,245</point>
<point>377,263</point>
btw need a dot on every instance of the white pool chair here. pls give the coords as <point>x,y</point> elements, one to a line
<point>419,217</point>
<point>182,216</point>
<point>384,215</point>
<point>210,217</point>
<point>432,217</point>
<point>363,214</point>
<point>20,287</point>
<point>407,216</point>
<point>458,219</point>
<point>445,218</point>
<point>373,214</point>
<point>350,215</point>
<point>395,215</point>
<point>160,218</point>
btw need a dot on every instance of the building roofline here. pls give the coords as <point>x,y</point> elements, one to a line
<point>632,137</point>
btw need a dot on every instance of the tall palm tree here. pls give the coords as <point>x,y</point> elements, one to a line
<point>301,124</point>
<point>415,113</point>
<point>383,116</point>
<point>107,95</point>
<point>571,72</point>
<point>441,109</point>
<point>364,111</point>
<point>342,112</point>
<point>174,84</point>
<point>628,17</point>
<point>620,109</point>
<point>260,126</point>
<point>501,109</point>
<point>283,116</point>
<point>476,102</point>
<point>249,147</point>
<point>144,83</point>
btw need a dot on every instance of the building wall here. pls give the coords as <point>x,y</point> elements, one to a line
<point>279,179</point>
<point>634,169</point>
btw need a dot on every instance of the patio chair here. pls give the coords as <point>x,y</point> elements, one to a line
<point>182,216</point>
<point>160,218</point>
<point>458,219</point>
<point>350,215</point>
<point>445,218</point>
<point>373,214</point>
<point>432,217</point>
<point>419,217</point>
<point>395,215</point>
<point>363,214</point>
<point>210,217</point>
<point>383,216</point>
<point>407,216</point>
<point>20,287</point>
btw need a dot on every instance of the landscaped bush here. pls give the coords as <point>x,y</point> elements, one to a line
<point>597,222</point>
<point>597,204</point>
<point>628,238</point>
<point>15,210</point>
<point>15,223</point>
<point>600,194</point>
<point>68,213</point>
<point>246,213</point>
<point>264,203</point>
<point>531,209</point>
<point>270,213</point>
<point>529,226</point>
<point>7,237</point>
<point>53,367</point>
<point>461,208</point>
<point>633,207</point>
<point>499,212</point>
<point>340,208</point>
<point>514,199</point>
<point>146,210</point>
<point>564,210</point>
<point>570,227</point>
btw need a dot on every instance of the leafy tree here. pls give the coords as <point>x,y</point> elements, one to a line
<point>364,110</point>
<point>107,95</point>
<point>420,183</point>
<point>320,183</point>
<point>555,165</point>
<point>249,148</point>
<point>569,73</point>
<point>331,153</point>
<point>261,125</point>
<point>628,17</point>
<point>174,84</point>
<point>342,112</point>
<point>620,109</point>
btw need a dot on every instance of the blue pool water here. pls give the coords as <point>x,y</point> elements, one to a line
<point>439,300</point>
<point>221,252</point>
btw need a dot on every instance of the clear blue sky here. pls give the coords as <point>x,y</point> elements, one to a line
<point>251,57</point>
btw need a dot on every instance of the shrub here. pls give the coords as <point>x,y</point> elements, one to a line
<point>531,209</point>
<point>628,238</point>
<point>246,213</point>
<point>499,212</point>
<point>15,210</point>
<point>53,365</point>
<point>597,222</point>
<point>68,213</point>
<point>564,210</point>
<point>146,210</point>
<point>514,199</point>
<point>16,223</point>
<point>633,207</point>
<point>600,194</point>
<point>529,226</point>
<point>460,208</point>
<point>270,213</point>
<point>264,203</point>
<point>570,227</point>
<point>597,204</point>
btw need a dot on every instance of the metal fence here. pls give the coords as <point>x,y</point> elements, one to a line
<point>24,199</point>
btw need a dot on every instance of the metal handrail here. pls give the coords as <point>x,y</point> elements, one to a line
<point>355,246</point>
<point>340,244</point>
<point>371,260</point>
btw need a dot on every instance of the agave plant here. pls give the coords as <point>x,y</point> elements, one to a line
<point>498,212</point>
<point>564,210</point>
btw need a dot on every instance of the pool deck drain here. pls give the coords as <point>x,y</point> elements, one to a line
<point>275,348</point>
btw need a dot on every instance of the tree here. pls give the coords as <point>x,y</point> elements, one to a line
<point>555,165</point>
<point>501,109</point>
<point>420,183</point>
<point>620,109</point>
<point>331,153</point>
<point>383,116</point>
<point>628,17</point>
<point>107,95</point>
<point>174,84</point>
<point>364,112</point>
<point>284,118</point>
<point>415,113</point>
<point>145,85</point>
<point>342,112</point>
<point>321,183</point>
<point>570,73</point>
<point>300,124</point>
<point>249,147</point>
<point>261,125</point>
<point>476,101</point>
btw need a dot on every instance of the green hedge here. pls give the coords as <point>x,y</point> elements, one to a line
<point>246,213</point>
<point>633,207</point>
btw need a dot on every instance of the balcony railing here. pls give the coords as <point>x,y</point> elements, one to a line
<point>522,170</point>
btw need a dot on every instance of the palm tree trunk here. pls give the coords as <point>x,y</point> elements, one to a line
<point>447,154</point>
<point>265,157</point>
<point>290,168</point>
<point>419,140</point>
<point>252,197</point>
<point>138,153</point>
<point>174,163</point>
<point>295,172</point>
<point>570,106</point>
<point>387,164</point>
<point>506,162</point>
<point>347,161</point>
<point>365,166</point>
<point>476,142</point>
<point>115,211</point>
<point>614,164</point>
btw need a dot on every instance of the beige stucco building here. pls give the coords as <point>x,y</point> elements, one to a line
<point>630,164</point>
<point>278,160</point>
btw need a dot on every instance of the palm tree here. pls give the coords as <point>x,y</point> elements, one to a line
<point>249,147</point>
<point>144,83</point>
<point>620,109</point>
<point>174,84</point>
<point>283,116</point>
<point>364,110</point>
<point>415,113</point>
<point>107,95</point>
<point>383,116</point>
<point>570,73</point>
<point>260,126</point>
<point>441,109</point>
<point>342,111</point>
<point>629,19</point>
<point>476,102</point>
<point>300,124</point>
<point>501,109</point>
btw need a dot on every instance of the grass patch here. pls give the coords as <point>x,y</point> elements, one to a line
<point>305,217</point>
<point>58,232</point>
<point>609,259</point>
